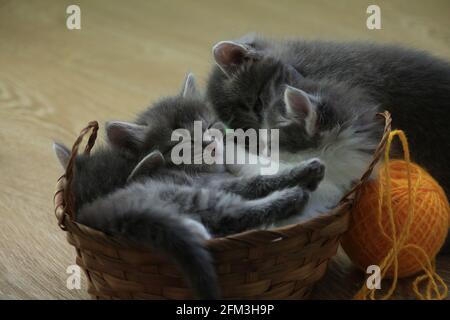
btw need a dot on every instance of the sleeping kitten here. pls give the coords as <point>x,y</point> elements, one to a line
<point>412,85</point>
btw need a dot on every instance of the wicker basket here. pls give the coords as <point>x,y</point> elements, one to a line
<point>282,263</point>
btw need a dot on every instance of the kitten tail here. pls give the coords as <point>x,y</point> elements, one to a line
<point>157,228</point>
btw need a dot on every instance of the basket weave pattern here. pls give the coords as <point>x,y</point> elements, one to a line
<point>282,263</point>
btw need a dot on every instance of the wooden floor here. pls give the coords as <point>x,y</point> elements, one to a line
<point>127,54</point>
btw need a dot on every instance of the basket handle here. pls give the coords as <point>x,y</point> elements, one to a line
<point>69,199</point>
<point>376,158</point>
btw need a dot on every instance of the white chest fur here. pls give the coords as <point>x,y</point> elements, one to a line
<point>345,162</point>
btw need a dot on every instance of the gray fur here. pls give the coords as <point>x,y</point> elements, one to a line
<point>136,214</point>
<point>412,85</point>
<point>159,213</point>
<point>97,175</point>
<point>132,190</point>
<point>307,175</point>
<point>148,165</point>
<point>103,201</point>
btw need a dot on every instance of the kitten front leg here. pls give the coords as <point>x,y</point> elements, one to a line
<point>242,163</point>
<point>307,174</point>
<point>250,214</point>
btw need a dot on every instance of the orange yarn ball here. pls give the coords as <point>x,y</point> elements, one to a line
<point>366,243</point>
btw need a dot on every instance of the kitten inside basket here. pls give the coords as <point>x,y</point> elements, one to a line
<point>133,189</point>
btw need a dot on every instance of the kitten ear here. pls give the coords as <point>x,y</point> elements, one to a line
<point>190,87</point>
<point>300,105</point>
<point>125,135</point>
<point>293,75</point>
<point>230,55</point>
<point>62,153</point>
<point>151,162</point>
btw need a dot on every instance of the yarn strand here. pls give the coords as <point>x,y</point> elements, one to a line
<point>435,287</point>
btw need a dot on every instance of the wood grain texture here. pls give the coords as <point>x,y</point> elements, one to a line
<point>127,54</point>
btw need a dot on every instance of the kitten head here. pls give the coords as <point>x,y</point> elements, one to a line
<point>154,128</point>
<point>245,80</point>
<point>251,88</point>
<point>315,114</point>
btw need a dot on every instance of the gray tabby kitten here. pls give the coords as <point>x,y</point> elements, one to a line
<point>252,72</point>
<point>176,208</point>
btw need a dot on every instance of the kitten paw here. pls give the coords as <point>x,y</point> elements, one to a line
<point>298,197</point>
<point>309,173</point>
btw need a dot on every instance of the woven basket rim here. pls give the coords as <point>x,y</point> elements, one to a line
<point>66,222</point>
